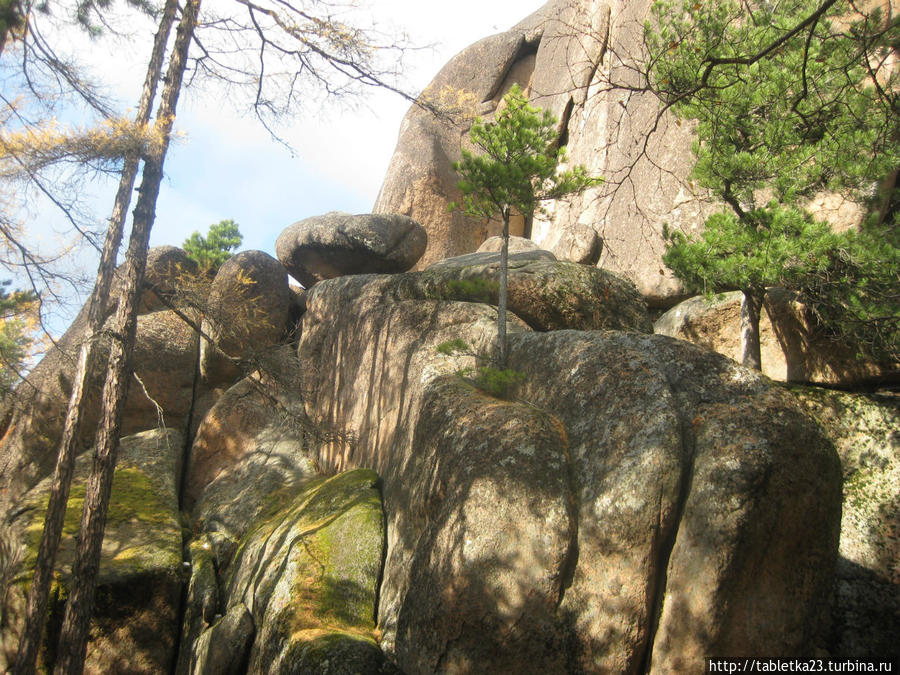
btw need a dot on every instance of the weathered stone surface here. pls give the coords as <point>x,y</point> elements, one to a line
<point>134,627</point>
<point>308,574</point>
<point>164,358</point>
<point>222,649</point>
<point>247,311</point>
<point>865,430</point>
<point>576,242</point>
<point>250,443</point>
<point>168,267</point>
<point>792,349</point>
<point>546,295</point>
<point>702,503</point>
<point>164,362</point>
<point>336,244</point>
<point>516,245</point>
<point>420,181</point>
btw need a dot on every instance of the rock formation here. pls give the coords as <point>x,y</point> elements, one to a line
<point>317,485</point>
<point>323,247</point>
<point>582,60</point>
<point>793,348</point>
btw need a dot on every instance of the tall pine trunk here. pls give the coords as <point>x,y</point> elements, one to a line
<point>503,347</point>
<point>751,310</point>
<point>36,609</point>
<point>76,622</point>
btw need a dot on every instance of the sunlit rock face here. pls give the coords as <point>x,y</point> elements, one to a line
<point>624,494</point>
<point>564,56</point>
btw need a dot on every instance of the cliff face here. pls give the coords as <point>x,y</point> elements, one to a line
<point>582,60</point>
<point>578,59</point>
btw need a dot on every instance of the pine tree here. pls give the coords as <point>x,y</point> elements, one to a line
<point>214,249</point>
<point>790,99</point>
<point>514,170</point>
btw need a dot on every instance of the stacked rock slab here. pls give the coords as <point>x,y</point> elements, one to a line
<point>639,504</point>
<point>336,244</point>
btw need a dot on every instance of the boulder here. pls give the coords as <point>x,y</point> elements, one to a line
<point>420,180</point>
<point>250,443</point>
<point>576,242</point>
<point>546,295</point>
<point>248,310</point>
<point>792,348</point>
<point>164,361</point>
<point>134,627</point>
<point>168,270</point>
<point>864,429</point>
<point>516,245</point>
<point>308,574</point>
<point>637,503</point>
<point>336,244</point>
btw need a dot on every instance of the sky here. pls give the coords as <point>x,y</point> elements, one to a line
<point>226,166</point>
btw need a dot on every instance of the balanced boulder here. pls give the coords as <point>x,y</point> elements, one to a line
<point>248,311</point>
<point>337,244</point>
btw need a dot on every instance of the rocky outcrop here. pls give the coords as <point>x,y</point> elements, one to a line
<point>301,590</point>
<point>866,609</point>
<point>516,245</point>
<point>565,56</point>
<point>161,393</point>
<point>337,244</point>
<point>793,349</point>
<point>247,311</point>
<point>544,294</point>
<point>134,628</point>
<point>646,504</point>
<point>249,444</point>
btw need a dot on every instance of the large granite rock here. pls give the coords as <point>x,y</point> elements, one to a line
<point>792,348</point>
<point>865,429</point>
<point>546,295</point>
<point>336,244</point>
<point>169,270</point>
<point>301,590</point>
<point>639,504</point>
<point>250,443</point>
<point>134,626</point>
<point>247,311</point>
<point>582,61</point>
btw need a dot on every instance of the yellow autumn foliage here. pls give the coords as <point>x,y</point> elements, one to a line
<point>24,151</point>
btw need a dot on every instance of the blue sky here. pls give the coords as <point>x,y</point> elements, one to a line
<point>225,165</point>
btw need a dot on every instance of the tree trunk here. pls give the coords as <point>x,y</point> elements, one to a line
<point>38,594</point>
<point>76,623</point>
<point>751,308</point>
<point>503,347</point>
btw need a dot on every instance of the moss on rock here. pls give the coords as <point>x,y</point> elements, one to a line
<point>308,573</point>
<point>134,627</point>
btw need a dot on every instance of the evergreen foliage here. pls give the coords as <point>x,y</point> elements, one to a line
<point>789,99</point>
<point>214,249</point>
<point>514,169</point>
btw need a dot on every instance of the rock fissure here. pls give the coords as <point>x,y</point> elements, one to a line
<point>659,581</point>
